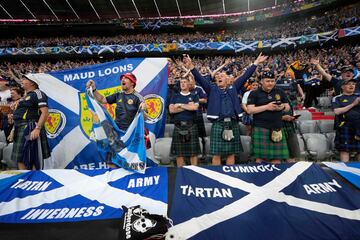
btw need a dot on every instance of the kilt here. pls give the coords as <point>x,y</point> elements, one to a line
<point>345,141</point>
<point>218,146</point>
<point>188,147</point>
<point>263,147</point>
<point>201,126</point>
<point>21,129</point>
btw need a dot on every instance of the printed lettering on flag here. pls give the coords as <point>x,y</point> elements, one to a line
<point>61,195</point>
<point>282,201</point>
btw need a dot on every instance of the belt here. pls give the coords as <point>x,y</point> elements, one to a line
<point>183,123</point>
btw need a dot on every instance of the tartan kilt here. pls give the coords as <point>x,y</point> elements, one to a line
<point>201,126</point>
<point>181,148</point>
<point>19,141</point>
<point>263,147</point>
<point>218,146</point>
<point>345,141</point>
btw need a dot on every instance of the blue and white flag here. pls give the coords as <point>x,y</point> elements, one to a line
<point>350,171</point>
<point>125,149</point>
<point>69,124</point>
<point>299,201</point>
<point>63,195</point>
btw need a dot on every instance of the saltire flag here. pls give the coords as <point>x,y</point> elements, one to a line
<point>63,195</point>
<point>124,149</point>
<point>299,201</point>
<point>350,171</point>
<point>69,124</point>
<point>328,36</point>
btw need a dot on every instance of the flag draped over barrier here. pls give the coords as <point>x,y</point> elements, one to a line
<point>70,122</point>
<point>263,201</point>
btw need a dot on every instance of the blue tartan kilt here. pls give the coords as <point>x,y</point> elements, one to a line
<point>345,140</point>
<point>185,145</point>
<point>20,132</point>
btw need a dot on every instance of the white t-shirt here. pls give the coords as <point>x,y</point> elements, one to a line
<point>245,97</point>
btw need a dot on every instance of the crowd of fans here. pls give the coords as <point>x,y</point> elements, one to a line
<point>335,19</point>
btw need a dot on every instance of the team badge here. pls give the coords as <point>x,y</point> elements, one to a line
<point>55,123</point>
<point>130,101</point>
<point>27,98</point>
<point>277,97</point>
<point>154,108</point>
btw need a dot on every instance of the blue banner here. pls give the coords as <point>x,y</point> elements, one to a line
<point>69,124</point>
<point>80,195</point>
<point>299,201</point>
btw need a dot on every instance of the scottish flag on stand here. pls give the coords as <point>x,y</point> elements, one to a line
<point>70,124</point>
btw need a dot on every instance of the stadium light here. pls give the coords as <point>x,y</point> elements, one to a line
<point>177,4</point>
<point>94,9</point>
<point>50,9</point>
<point>157,8</point>
<point>133,1</point>
<point>6,12</point>
<point>115,9</point>
<point>72,9</point>
<point>28,9</point>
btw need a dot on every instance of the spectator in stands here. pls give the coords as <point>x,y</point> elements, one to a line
<point>16,94</point>
<point>267,105</point>
<point>247,119</point>
<point>347,73</point>
<point>224,110</point>
<point>128,102</point>
<point>29,132</point>
<point>290,87</point>
<point>185,141</point>
<point>347,109</point>
<point>4,91</point>
<point>200,93</point>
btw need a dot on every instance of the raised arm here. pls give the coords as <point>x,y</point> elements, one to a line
<point>249,72</point>
<point>318,67</point>
<point>198,78</point>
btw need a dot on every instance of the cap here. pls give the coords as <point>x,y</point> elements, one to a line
<point>268,74</point>
<point>347,68</point>
<point>130,76</point>
<point>30,77</point>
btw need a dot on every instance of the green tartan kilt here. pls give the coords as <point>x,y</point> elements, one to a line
<point>263,147</point>
<point>19,141</point>
<point>185,146</point>
<point>218,146</point>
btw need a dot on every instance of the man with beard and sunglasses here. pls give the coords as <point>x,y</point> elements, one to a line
<point>127,101</point>
<point>224,111</point>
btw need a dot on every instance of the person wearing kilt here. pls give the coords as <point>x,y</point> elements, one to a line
<point>347,109</point>
<point>185,141</point>
<point>224,111</point>
<point>199,91</point>
<point>30,142</point>
<point>266,104</point>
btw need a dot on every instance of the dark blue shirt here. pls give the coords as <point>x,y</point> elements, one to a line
<point>124,117</point>
<point>28,108</point>
<point>267,119</point>
<point>226,106</point>
<point>342,101</point>
<point>199,91</point>
<point>185,99</point>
